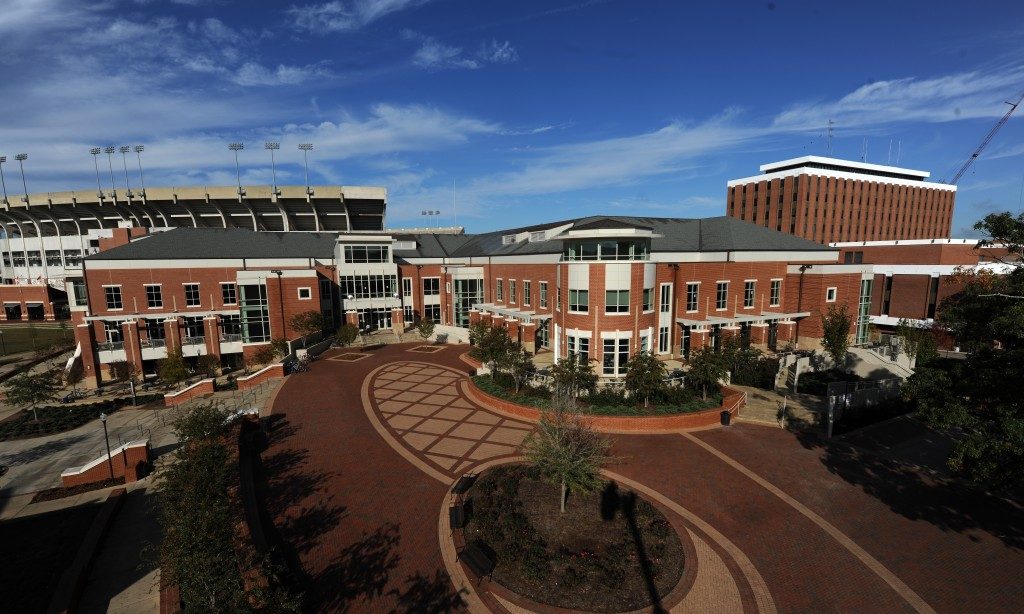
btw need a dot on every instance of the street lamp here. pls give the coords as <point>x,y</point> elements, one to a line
<point>3,343</point>
<point>95,151</point>
<point>2,181</point>
<point>236,147</point>
<point>109,150</point>
<point>21,163</point>
<point>271,146</point>
<point>280,297</point>
<point>124,149</point>
<point>142,181</point>
<point>306,148</point>
<point>432,214</point>
<point>106,436</point>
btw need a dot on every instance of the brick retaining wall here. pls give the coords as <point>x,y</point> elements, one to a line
<point>263,375</point>
<point>128,461</point>
<point>200,388</point>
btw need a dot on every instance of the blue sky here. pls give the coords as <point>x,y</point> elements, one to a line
<point>537,110</point>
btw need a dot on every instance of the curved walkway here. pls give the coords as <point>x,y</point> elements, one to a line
<point>367,444</point>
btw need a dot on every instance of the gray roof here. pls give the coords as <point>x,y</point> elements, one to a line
<point>195,243</point>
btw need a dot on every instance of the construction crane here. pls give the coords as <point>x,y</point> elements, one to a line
<point>984,142</point>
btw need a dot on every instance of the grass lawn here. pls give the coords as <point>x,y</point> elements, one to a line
<point>25,338</point>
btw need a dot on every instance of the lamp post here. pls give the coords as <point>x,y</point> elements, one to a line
<point>95,151</point>
<point>106,436</point>
<point>3,343</point>
<point>306,148</point>
<point>2,181</point>
<point>236,147</point>
<point>433,214</point>
<point>124,149</point>
<point>21,163</point>
<point>109,150</point>
<point>280,297</point>
<point>142,181</point>
<point>271,146</point>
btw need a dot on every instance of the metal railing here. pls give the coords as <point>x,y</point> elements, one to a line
<point>230,337</point>
<point>194,341</point>
<point>110,346</point>
<point>154,343</point>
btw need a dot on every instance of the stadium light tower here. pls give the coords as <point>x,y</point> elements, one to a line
<point>109,150</point>
<point>21,163</point>
<point>142,180</point>
<point>236,147</point>
<point>271,146</point>
<point>95,151</point>
<point>2,181</point>
<point>124,149</point>
<point>306,148</point>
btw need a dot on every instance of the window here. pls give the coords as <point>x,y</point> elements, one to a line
<point>526,294</point>
<point>72,257</point>
<point>933,297</point>
<point>53,257</point>
<point>325,289</point>
<point>512,291</point>
<point>34,259</point>
<point>366,253</point>
<point>748,294</point>
<point>645,343</point>
<point>648,299</point>
<point>663,340</point>
<point>616,355</point>
<point>692,295</point>
<point>722,295</point>
<point>78,292</point>
<point>830,295</point>
<point>154,297</point>
<point>886,294</point>
<point>369,286</point>
<point>605,250</point>
<point>432,313</point>
<point>112,331</point>
<point>431,286</point>
<point>255,314</point>
<point>537,236</point>
<point>192,295</point>
<point>18,259</point>
<point>558,298</point>
<point>665,302</point>
<point>578,347</point>
<point>775,296</point>
<point>501,290</point>
<point>579,301</point>
<point>543,295</point>
<point>616,301</point>
<point>195,332</point>
<point>229,293</point>
<point>409,314</point>
<point>508,239</point>
<point>113,296</point>
<point>305,294</point>
<point>853,258</point>
<point>155,329</point>
<point>407,287</point>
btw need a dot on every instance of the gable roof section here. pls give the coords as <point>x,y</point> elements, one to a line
<point>214,243</point>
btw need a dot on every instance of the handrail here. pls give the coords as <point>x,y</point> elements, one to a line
<point>110,346</point>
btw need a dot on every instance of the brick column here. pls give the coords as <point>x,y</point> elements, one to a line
<point>529,333</point>
<point>698,339</point>
<point>474,316</point>
<point>786,331</point>
<point>730,332</point>
<point>759,333</point>
<point>132,343</point>
<point>397,320</point>
<point>48,313</point>
<point>211,330</point>
<point>512,325</point>
<point>172,334</point>
<point>487,318</point>
<point>352,317</point>
<point>85,334</point>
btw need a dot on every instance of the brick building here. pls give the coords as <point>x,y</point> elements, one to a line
<point>829,200</point>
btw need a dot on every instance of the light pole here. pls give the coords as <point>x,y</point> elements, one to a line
<point>124,149</point>
<point>433,214</point>
<point>106,436</point>
<point>236,147</point>
<point>3,343</point>
<point>271,146</point>
<point>2,181</point>
<point>142,181</point>
<point>280,297</point>
<point>95,151</point>
<point>306,148</point>
<point>21,163</point>
<point>109,150</point>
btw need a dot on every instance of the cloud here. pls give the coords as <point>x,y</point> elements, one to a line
<point>434,54</point>
<point>498,53</point>
<point>341,16</point>
<point>252,73</point>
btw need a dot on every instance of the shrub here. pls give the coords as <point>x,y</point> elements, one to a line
<point>346,335</point>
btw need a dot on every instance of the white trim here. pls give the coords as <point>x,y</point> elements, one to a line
<point>905,242</point>
<point>820,172</point>
<point>831,290</point>
<point>309,292</point>
<point>841,162</point>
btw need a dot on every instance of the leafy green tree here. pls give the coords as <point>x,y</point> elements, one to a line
<point>207,364</point>
<point>173,369</point>
<point>706,368</point>
<point>264,355</point>
<point>645,376</point>
<point>425,328</point>
<point>910,337</point>
<point>572,376</point>
<point>202,422</point>
<point>347,335</point>
<point>307,323</point>
<point>835,336</point>
<point>518,364</point>
<point>32,389</point>
<point>122,371</point>
<point>280,348</point>
<point>565,450</point>
<point>477,332</point>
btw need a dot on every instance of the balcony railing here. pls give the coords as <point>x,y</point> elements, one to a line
<point>110,346</point>
<point>194,341</point>
<point>154,343</point>
<point>230,337</point>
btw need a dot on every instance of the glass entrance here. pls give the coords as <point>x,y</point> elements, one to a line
<point>374,319</point>
<point>467,293</point>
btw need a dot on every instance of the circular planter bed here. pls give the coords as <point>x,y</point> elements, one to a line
<point>603,554</point>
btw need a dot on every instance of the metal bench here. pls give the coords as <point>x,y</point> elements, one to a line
<point>478,558</point>
<point>463,485</point>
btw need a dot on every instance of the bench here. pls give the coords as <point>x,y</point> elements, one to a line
<point>463,485</point>
<point>478,558</point>
<point>458,515</point>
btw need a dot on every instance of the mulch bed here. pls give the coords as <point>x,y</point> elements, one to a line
<point>587,558</point>
<point>60,492</point>
<point>427,349</point>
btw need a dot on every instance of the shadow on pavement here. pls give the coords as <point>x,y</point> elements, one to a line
<point>431,595</point>
<point>40,451</point>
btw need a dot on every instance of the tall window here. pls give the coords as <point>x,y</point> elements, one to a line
<point>722,295</point>
<point>229,293</point>
<point>78,292</point>
<point>154,297</point>
<point>113,296</point>
<point>192,295</point>
<point>578,347</point>
<point>579,301</point>
<point>512,291</point>
<point>663,340</point>
<point>526,294</point>
<point>648,297</point>
<point>113,332</point>
<point>543,295</point>
<point>500,286</point>
<point>255,313</point>
<point>748,294</point>
<point>665,302</point>
<point>366,253</point>
<point>616,301</point>
<point>432,313</point>
<point>775,296</point>
<point>692,295</point>
<point>616,355</point>
<point>230,328</point>
<point>431,286</point>
<point>407,287</point>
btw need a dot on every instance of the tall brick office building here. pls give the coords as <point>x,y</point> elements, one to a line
<point>829,200</point>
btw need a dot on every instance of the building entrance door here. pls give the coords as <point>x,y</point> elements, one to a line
<point>773,336</point>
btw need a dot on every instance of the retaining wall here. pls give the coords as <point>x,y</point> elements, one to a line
<point>265,374</point>
<point>129,461</point>
<point>198,389</point>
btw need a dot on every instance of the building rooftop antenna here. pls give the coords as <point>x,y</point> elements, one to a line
<point>828,146</point>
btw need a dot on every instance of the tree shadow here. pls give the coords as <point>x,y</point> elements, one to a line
<point>360,571</point>
<point>423,594</point>
<point>882,466</point>
<point>30,455</point>
<point>613,502</point>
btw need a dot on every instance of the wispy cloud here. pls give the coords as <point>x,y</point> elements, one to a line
<point>434,54</point>
<point>343,16</point>
<point>252,73</point>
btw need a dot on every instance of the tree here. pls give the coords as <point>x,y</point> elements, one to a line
<point>30,390</point>
<point>835,335</point>
<point>264,355</point>
<point>493,343</point>
<point>706,369</point>
<point>346,335</point>
<point>173,369</point>
<point>425,328</point>
<point>74,376</point>
<point>207,364</point>
<point>645,376</point>
<point>565,450</point>
<point>982,397</point>
<point>202,422</point>
<point>307,323</point>
<point>572,375</point>
<point>279,347</point>
<point>518,364</point>
<point>122,371</point>
<point>910,338</point>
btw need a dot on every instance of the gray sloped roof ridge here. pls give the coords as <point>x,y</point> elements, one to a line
<point>195,243</point>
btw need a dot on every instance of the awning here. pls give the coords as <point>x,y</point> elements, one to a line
<point>742,318</point>
<point>525,316</point>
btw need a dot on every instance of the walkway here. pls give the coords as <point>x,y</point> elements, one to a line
<point>369,441</point>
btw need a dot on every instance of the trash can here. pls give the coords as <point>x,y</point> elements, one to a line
<point>726,417</point>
